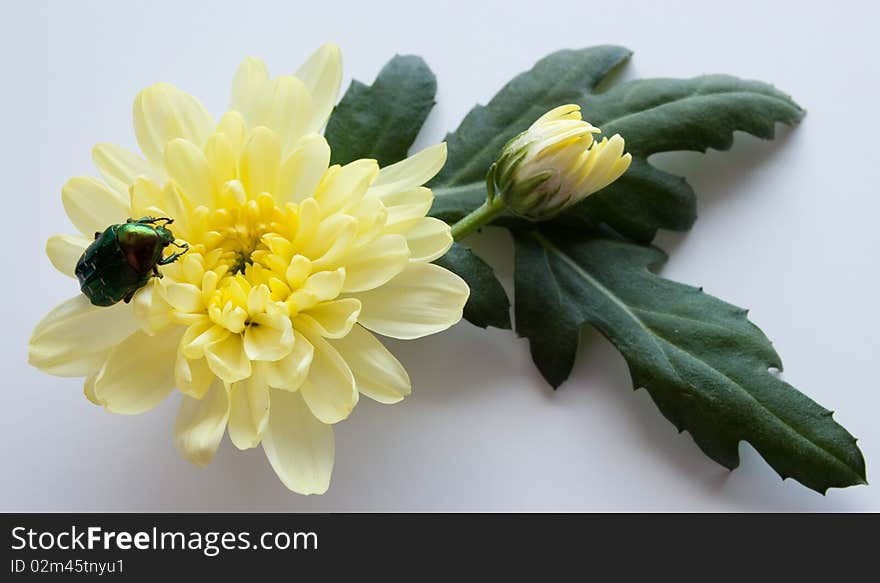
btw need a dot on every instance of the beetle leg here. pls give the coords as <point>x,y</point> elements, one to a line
<point>128,296</point>
<point>175,256</point>
<point>172,258</point>
<point>156,272</point>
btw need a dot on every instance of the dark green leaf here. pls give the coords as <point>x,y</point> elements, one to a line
<point>664,115</point>
<point>382,121</point>
<point>637,204</point>
<point>488,304</point>
<point>704,364</point>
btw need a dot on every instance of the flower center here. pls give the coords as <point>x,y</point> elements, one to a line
<point>252,258</point>
<point>238,230</point>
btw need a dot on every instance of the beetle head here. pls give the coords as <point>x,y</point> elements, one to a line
<point>165,236</point>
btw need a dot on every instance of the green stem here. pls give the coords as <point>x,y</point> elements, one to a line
<point>477,219</point>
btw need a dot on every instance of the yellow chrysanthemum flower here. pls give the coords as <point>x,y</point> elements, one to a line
<point>266,324</point>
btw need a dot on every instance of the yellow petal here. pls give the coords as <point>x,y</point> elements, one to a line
<point>231,317</point>
<point>377,374</point>
<point>375,263</point>
<point>406,208</point>
<point>299,447</point>
<point>329,388</point>
<point>429,239</point>
<point>183,297</point>
<point>192,377</point>
<point>191,269</point>
<point>222,160</point>
<point>120,167</point>
<point>150,308</point>
<point>200,424</point>
<point>606,153</point>
<point>92,206</point>
<point>258,299</point>
<point>89,388</point>
<point>249,89</point>
<point>322,75</point>
<point>333,319</point>
<point>290,372</point>
<point>233,128</point>
<point>325,285</point>
<point>423,299</point>
<point>299,269</point>
<point>65,250</point>
<point>620,167</point>
<point>147,198</point>
<point>268,337</point>
<point>199,336</point>
<point>139,372</point>
<point>249,413</point>
<point>179,207</point>
<point>371,215</point>
<point>411,172</point>
<point>289,111</point>
<point>227,359</point>
<point>74,338</point>
<point>309,221</point>
<point>162,113</point>
<point>563,112</point>
<point>303,169</point>
<point>260,162</point>
<point>332,239</point>
<point>187,165</point>
<point>346,186</point>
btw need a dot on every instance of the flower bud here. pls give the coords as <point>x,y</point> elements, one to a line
<point>554,164</point>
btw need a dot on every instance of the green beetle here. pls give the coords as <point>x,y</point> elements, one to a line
<point>122,259</point>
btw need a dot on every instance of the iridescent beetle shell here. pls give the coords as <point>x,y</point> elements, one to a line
<point>123,258</point>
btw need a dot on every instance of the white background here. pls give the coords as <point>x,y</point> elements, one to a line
<point>787,229</point>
